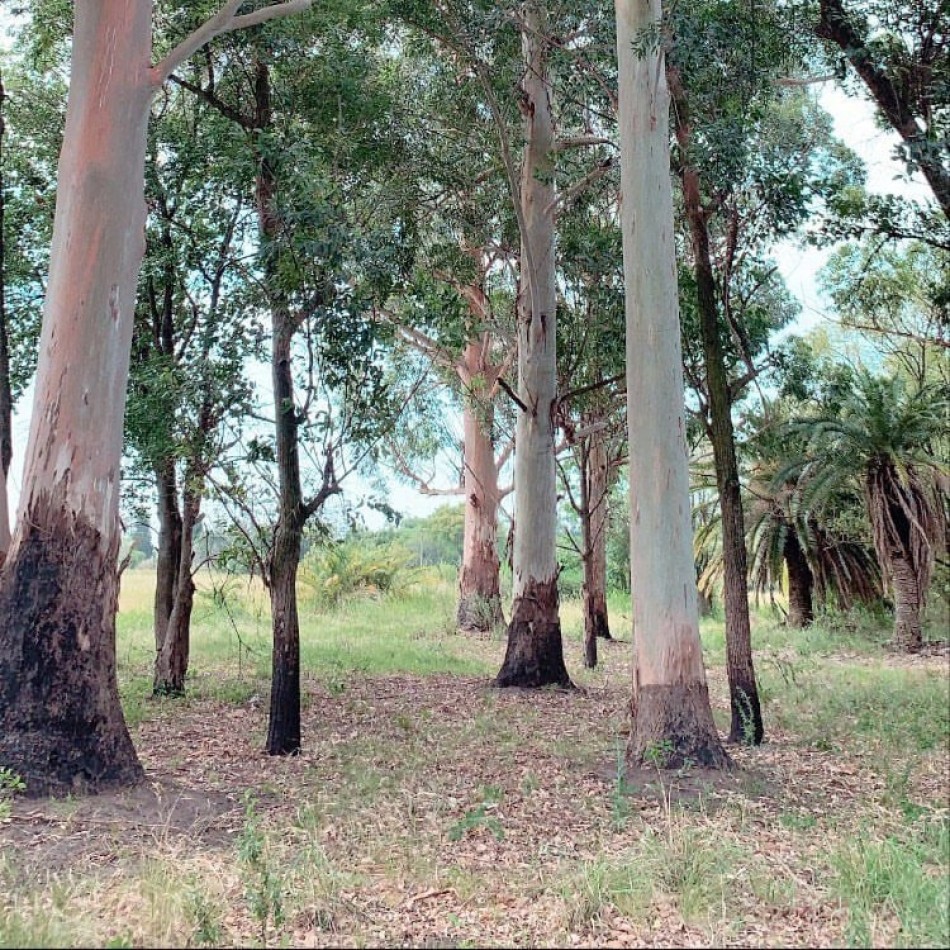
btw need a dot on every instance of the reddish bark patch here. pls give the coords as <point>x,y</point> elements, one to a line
<point>673,727</point>
<point>535,653</point>
<point>61,724</point>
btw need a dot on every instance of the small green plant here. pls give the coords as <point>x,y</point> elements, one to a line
<point>745,714</point>
<point>10,785</point>
<point>205,918</point>
<point>658,754</point>
<point>474,819</point>
<point>263,888</point>
<point>619,798</point>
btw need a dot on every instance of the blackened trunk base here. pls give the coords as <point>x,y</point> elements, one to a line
<point>535,654</point>
<point>61,724</point>
<point>283,731</point>
<point>673,727</point>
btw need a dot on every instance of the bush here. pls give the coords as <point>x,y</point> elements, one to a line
<point>336,570</point>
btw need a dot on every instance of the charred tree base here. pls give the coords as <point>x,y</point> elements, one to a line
<point>535,654</point>
<point>673,728</point>
<point>61,724</point>
<point>746,726</point>
<point>479,614</point>
<point>601,626</point>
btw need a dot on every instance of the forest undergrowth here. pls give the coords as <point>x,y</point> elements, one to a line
<point>428,809</point>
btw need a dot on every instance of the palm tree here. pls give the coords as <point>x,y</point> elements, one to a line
<point>883,439</point>
<point>811,557</point>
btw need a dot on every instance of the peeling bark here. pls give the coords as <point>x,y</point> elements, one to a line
<point>479,604</point>
<point>534,632</point>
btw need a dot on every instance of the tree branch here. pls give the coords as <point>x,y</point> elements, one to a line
<point>224,21</point>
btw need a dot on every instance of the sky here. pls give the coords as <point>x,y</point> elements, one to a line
<point>854,123</point>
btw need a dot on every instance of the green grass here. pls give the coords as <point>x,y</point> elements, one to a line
<point>898,880</point>
<point>489,810</point>
<point>412,633</point>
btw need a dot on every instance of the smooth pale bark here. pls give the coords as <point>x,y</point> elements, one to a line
<point>672,718</point>
<point>61,724</point>
<point>479,606</point>
<point>534,656</point>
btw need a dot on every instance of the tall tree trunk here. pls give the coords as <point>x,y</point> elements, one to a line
<point>168,556</point>
<point>171,663</point>
<point>801,583</point>
<point>746,721</point>
<point>535,656</point>
<point>283,732</point>
<point>61,724</point>
<point>479,605</point>
<point>672,718</point>
<point>6,392</point>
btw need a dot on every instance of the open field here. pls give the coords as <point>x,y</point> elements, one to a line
<point>429,810</point>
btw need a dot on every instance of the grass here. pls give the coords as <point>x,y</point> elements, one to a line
<point>428,809</point>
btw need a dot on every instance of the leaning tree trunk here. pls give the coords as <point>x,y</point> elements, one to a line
<point>746,720</point>
<point>171,663</point>
<point>479,606</point>
<point>61,724</point>
<point>168,555</point>
<point>672,717</point>
<point>801,582</point>
<point>897,101</point>
<point>535,655</point>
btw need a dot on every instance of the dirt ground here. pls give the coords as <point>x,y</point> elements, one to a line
<point>440,812</point>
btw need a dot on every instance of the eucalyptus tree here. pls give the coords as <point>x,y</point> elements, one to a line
<point>591,374</point>
<point>519,91</point>
<point>192,336</point>
<point>456,311</point>
<point>61,725</point>
<point>753,156</point>
<point>670,702</point>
